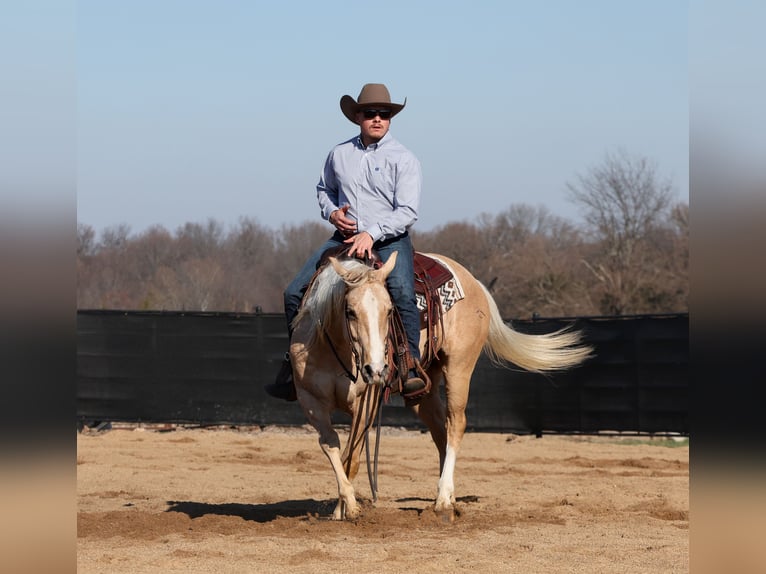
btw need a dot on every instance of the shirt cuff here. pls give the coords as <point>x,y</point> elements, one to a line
<point>375,232</point>
<point>328,212</point>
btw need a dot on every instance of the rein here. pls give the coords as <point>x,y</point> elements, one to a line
<point>372,404</point>
<point>353,378</point>
<point>372,468</point>
<point>373,412</point>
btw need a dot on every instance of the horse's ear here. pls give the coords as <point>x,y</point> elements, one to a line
<point>388,266</point>
<point>339,269</point>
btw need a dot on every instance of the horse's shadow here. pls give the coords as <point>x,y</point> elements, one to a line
<point>429,502</point>
<point>254,512</point>
<point>307,507</point>
<point>465,499</point>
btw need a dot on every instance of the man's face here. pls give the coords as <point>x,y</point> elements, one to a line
<point>374,127</point>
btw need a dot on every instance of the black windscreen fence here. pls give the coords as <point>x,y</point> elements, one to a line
<point>210,368</point>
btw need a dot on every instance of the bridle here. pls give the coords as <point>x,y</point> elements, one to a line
<point>354,344</point>
<point>357,361</point>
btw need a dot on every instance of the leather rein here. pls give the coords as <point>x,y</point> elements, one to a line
<point>352,377</point>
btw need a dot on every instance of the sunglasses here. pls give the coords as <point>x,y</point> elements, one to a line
<point>384,114</point>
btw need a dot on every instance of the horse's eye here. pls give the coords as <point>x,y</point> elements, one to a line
<point>350,313</point>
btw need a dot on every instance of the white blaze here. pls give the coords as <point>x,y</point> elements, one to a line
<point>376,346</point>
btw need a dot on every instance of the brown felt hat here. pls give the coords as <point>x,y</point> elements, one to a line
<point>372,95</point>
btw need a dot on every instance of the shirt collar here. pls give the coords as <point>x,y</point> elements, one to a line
<point>374,146</point>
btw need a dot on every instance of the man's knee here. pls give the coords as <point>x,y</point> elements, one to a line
<point>404,301</point>
<point>400,280</point>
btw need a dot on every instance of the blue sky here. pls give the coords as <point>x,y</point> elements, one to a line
<point>197,109</point>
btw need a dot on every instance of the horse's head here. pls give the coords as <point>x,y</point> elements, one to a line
<point>368,307</point>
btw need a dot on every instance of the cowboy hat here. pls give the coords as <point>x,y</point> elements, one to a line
<point>371,95</point>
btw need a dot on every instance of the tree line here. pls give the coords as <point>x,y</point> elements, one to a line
<point>629,255</point>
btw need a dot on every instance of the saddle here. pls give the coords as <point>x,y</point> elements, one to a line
<point>430,275</point>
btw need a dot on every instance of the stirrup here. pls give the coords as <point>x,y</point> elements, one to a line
<point>414,387</point>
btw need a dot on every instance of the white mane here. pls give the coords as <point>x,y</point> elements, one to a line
<point>323,304</point>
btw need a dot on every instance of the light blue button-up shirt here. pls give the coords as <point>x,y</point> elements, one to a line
<point>380,183</point>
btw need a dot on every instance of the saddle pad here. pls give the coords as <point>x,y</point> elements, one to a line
<point>450,291</point>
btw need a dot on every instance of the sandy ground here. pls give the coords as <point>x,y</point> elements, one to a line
<point>257,501</point>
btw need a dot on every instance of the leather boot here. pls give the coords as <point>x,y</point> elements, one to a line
<point>284,386</point>
<point>413,385</point>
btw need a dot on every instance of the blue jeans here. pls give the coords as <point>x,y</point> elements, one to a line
<point>401,284</point>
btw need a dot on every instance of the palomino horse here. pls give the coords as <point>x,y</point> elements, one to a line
<point>339,356</point>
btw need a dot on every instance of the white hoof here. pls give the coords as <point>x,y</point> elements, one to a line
<point>345,511</point>
<point>446,512</point>
<point>337,514</point>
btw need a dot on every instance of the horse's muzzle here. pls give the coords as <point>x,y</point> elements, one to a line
<point>375,374</point>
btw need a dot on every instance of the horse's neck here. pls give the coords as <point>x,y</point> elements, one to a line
<point>336,340</point>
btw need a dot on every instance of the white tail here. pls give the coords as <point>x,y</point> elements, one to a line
<point>536,353</point>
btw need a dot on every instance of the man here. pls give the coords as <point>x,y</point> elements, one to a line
<point>369,190</point>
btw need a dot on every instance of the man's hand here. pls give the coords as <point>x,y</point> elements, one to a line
<point>361,244</point>
<point>342,222</point>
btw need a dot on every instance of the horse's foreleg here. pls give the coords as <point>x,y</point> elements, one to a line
<point>319,418</point>
<point>347,506</point>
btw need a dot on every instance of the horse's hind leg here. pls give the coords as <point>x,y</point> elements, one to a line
<point>431,412</point>
<point>458,381</point>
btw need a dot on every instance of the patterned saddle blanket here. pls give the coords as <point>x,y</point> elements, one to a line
<point>434,277</point>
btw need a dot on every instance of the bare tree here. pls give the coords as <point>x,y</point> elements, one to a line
<point>624,202</point>
<point>678,269</point>
<point>679,216</point>
<point>249,261</point>
<point>294,244</point>
<point>462,241</point>
<point>86,240</point>
<point>196,240</point>
<point>530,253</point>
<point>115,237</point>
<point>193,285</point>
<point>100,269</point>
